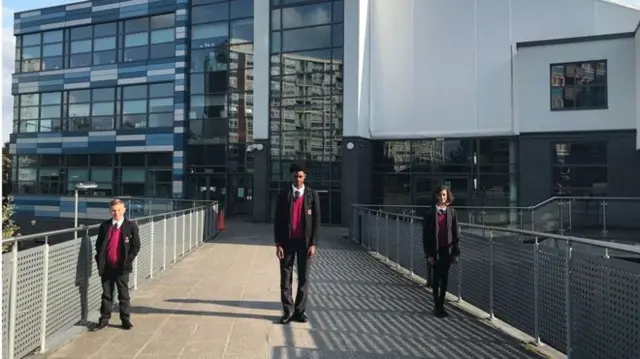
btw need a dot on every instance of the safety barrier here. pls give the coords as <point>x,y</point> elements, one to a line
<point>48,289</point>
<point>580,296</point>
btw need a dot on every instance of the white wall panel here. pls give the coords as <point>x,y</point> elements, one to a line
<point>261,69</point>
<point>442,68</point>
<point>356,68</point>
<point>533,91</point>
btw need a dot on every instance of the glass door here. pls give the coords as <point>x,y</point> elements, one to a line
<point>240,195</point>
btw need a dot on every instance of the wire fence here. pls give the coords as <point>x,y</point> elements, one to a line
<point>50,288</point>
<point>580,296</point>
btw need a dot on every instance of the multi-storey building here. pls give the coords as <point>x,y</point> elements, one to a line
<point>381,100</point>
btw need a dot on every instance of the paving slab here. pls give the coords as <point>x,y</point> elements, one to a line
<point>223,301</point>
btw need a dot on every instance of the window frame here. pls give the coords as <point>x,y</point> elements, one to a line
<point>604,85</point>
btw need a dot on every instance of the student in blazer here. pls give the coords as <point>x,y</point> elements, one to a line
<point>441,238</point>
<point>296,226</point>
<point>117,246</point>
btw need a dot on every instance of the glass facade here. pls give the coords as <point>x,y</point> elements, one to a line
<point>306,73</point>
<point>127,174</point>
<point>477,170</point>
<point>220,117</point>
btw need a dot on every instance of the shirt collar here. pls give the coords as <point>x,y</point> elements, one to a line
<point>440,209</point>
<point>301,189</point>
<point>118,224</point>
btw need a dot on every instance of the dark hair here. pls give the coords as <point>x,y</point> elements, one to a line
<point>296,168</point>
<point>438,189</point>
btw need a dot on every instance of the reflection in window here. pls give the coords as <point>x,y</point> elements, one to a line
<point>579,85</point>
<point>580,168</point>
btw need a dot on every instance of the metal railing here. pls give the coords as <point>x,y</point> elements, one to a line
<point>592,217</point>
<point>49,288</point>
<point>147,206</point>
<point>580,296</point>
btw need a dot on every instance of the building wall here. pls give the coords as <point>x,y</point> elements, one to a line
<point>533,90</point>
<point>443,69</point>
<point>116,140</point>
<point>536,163</point>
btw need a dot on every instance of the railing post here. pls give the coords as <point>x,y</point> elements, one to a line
<point>459,281</point>
<point>184,232</point>
<point>164,242</point>
<point>567,278</point>
<point>135,273</point>
<point>570,204</point>
<point>151,245</point>
<point>386,238</point>
<point>603,204</point>
<point>353,224</point>
<point>398,241</point>
<point>175,237</point>
<point>13,301</point>
<point>411,245</point>
<point>533,219</point>
<point>190,232</point>
<point>521,214</point>
<point>491,281</point>
<point>561,216</point>
<point>45,295</point>
<point>536,291</point>
<point>377,232</point>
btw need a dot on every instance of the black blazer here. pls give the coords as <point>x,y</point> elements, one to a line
<point>430,232</point>
<point>311,215</point>
<point>129,244</point>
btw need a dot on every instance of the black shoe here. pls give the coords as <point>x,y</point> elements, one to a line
<point>126,324</point>
<point>286,318</point>
<point>102,323</point>
<point>443,313</point>
<point>300,317</point>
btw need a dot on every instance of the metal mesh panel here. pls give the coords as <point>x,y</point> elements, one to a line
<point>144,256</point>
<point>514,283</point>
<point>6,282</point>
<point>552,297</point>
<point>29,300</point>
<point>95,283</point>
<point>405,245</point>
<point>419,260</point>
<point>605,307</point>
<point>475,270</point>
<point>180,236</point>
<point>158,244</point>
<point>64,305</point>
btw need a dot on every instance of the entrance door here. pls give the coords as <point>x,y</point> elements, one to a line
<point>240,195</point>
<point>325,206</point>
<point>207,187</point>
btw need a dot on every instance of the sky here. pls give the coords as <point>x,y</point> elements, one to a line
<point>11,6</point>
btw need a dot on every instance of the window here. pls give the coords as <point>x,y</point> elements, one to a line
<point>579,86</point>
<point>134,174</point>
<point>148,105</point>
<point>580,168</point>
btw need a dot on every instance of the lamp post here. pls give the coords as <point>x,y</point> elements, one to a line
<point>80,186</point>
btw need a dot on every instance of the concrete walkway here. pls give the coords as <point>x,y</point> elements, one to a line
<point>222,301</point>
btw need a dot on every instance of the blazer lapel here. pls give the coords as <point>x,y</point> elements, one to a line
<point>449,220</point>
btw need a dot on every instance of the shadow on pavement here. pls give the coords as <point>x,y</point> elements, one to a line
<point>360,308</point>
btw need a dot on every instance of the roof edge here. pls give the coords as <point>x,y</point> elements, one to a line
<point>573,40</point>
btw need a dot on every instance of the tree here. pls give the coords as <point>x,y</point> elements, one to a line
<point>9,228</point>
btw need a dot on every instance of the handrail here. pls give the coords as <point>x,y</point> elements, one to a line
<point>593,242</point>
<point>546,201</point>
<point>17,239</point>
